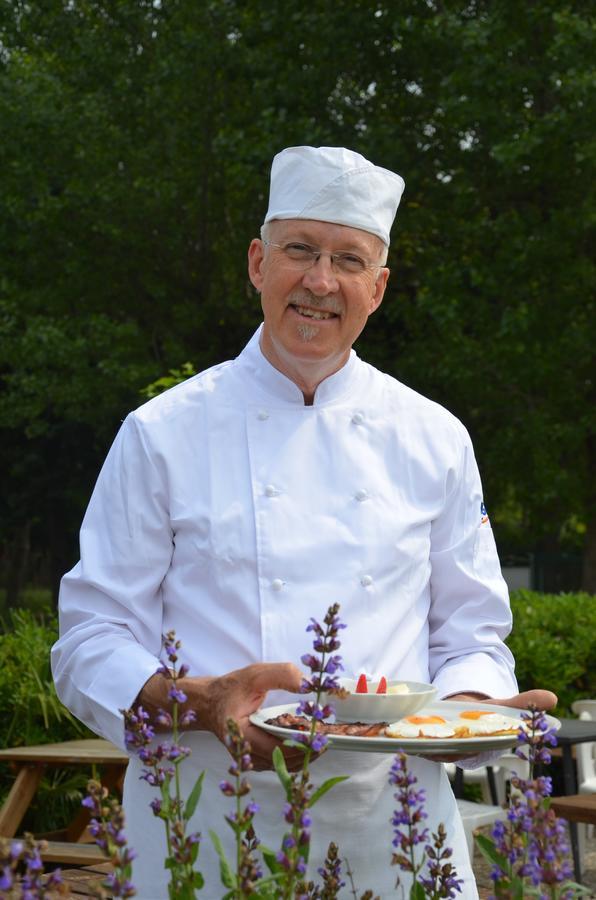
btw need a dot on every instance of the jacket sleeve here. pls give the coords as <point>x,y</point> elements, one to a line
<point>470,614</point>
<point>110,604</point>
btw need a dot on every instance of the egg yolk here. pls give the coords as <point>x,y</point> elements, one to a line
<point>474,713</point>
<point>426,720</point>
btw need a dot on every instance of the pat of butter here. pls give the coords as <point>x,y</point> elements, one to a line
<point>398,689</point>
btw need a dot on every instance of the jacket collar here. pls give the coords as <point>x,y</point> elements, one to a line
<point>281,388</point>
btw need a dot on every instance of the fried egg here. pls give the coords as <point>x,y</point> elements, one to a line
<point>477,722</point>
<point>420,727</point>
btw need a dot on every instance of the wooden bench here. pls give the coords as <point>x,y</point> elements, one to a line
<point>72,854</point>
<point>30,763</point>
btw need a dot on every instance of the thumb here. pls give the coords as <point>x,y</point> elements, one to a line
<point>275,677</point>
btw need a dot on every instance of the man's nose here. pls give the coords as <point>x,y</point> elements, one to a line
<point>320,277</point>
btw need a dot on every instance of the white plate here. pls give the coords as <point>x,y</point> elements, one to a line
<point>449,709</point>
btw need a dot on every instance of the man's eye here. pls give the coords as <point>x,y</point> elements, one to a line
<point>299,251</point>
<point>351,261</point>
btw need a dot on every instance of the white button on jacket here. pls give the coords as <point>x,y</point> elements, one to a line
<point>180,534</point>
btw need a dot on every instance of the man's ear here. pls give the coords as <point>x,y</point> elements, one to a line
<point>256,256</point>
<point>379,291</point>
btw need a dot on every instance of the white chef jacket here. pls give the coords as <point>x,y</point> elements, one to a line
<point>229,511</point>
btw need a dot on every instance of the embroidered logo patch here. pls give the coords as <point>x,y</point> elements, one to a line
<point>483,513</point>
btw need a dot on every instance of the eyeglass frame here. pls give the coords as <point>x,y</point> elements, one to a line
<point>317,253</point>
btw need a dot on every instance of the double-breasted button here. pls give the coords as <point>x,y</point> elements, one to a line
<point>271,490</point>
<point>366,580</point>
<point>262,415</point>
<point>277,584</point>
<point>358,418</point>
<point>361,495</point>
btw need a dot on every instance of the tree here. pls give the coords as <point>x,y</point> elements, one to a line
<point>137,139</point>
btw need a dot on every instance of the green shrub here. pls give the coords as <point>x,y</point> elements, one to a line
<point>31,713</point>
<point>554,644</point>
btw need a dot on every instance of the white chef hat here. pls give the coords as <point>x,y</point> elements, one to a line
<point>332,184</point>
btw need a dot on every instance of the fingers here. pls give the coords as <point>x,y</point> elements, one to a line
<point>539,698</point>
<point>262,747</point>
<point>264,677</point>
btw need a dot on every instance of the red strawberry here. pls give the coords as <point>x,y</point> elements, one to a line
<point>362,686</point>
<point>382,686</point>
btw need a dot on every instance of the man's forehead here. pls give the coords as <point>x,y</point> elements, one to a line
<point>324,233</point>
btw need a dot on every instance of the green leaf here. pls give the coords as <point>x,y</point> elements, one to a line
<point>326,786</point>
<point>417,892</point>
<point>271,862</point>
<point>228,878</point>
<point>580,890</point>
<point>298,745</point>
<point>279,764</point>
<point>193,798</point>
<point>490,852</point>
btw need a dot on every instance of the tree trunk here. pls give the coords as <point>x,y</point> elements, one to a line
<point>18,565</point>
<point>589,561</point>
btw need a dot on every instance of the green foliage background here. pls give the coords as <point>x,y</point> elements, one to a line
<point>554,644</point>
<point>136,143</point>
<point>31,713</point>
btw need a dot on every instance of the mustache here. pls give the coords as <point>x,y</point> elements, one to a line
<point>306,298</point>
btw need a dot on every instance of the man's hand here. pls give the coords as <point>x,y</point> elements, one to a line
<point>235,695</point>
<point>539,698</point>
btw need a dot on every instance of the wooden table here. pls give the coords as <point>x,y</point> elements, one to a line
<point>31,763</point>
<point>573,731</point>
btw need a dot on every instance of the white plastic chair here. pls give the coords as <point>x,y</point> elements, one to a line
<point>475,815</point>
<point>585,758</point>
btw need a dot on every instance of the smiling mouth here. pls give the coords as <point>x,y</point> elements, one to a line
<point>318,314</point>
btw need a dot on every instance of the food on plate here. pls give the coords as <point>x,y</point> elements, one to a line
<point>355,729</point>
<point>398,689</point>
<point>362,685</point>
<point>421,727</point>
<point>468,724</point>
<point>480,722</point>
<point>472,723</point>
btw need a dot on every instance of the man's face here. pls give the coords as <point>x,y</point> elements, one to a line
<point>313,316</point>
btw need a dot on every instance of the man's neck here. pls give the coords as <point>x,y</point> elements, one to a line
<point>307,375</point>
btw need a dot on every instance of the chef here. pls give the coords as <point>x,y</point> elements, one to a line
<point>242,502</point>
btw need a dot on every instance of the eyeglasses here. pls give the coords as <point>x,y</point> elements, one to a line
<point>303,256</point>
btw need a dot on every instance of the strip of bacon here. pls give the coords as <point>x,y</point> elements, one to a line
<point>355,729</point>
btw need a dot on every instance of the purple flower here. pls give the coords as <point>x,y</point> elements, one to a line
<point>164,718</point>
<point>16,849</point>
<point>311,661</point>
<point>283,860</point>
<point>408,816</point>
<point>187,718</point>
<point>177,695</point>
<point>319,742</point>
<point>334,664</point>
